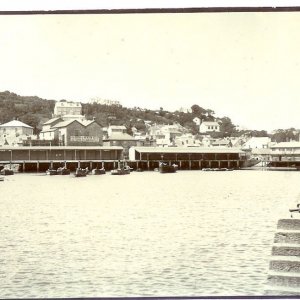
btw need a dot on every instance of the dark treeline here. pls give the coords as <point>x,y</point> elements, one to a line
<point>34,111</point>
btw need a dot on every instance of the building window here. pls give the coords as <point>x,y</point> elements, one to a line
<point>76,132</point>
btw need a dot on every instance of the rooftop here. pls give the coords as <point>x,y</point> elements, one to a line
<point>187,150</point>
<point>15,123</point>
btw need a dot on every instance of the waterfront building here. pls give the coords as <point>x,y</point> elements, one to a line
<point>73,132</point>
<point>188,157</point>
<point>285,154</point>
<point>39,158</point>
<point>13,132</point>
<point>209,126</point>
<point>257,143</point>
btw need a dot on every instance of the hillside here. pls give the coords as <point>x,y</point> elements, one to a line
<point>34,111</point>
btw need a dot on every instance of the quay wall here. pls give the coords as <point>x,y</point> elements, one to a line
<point>284,268</point>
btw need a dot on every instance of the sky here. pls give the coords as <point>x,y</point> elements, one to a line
<point>242,65</point>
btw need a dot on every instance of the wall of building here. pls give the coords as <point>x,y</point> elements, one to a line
<point>77,134</point>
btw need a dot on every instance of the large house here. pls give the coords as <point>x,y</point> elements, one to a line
<point>67,108</point>
<point>14,132</point>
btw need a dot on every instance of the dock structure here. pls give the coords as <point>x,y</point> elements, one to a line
<point>40,158</point>
<point>187,158</point>
<point>284,269</point>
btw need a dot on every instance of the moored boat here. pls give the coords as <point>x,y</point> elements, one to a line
<point>7,172</point>
<point>51,172</point>
<point>81,172</point>
<point>1,178</point>
<point>165,168</point>
<point>63,171</point>
<point>123,169</point>
<point>98,171</point>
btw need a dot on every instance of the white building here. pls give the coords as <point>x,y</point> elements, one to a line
<point>112,129</point>
<point>257,143</point>
<point>209,126</point>
<point>63,108</point>
<point>14,132</point>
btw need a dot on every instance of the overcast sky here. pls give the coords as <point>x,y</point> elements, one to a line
<point>242,65</point>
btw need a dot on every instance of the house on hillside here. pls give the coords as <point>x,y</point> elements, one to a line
<point>209,126</point>
<point>113,129</point>
<point>63,108</point>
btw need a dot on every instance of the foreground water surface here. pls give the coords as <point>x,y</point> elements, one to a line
<point>192,233</point>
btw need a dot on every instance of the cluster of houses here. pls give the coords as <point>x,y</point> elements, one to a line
<point>68,127</point>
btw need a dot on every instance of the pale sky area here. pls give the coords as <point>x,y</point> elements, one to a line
<point>242,65</point>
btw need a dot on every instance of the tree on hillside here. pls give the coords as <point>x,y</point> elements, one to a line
<point>197,110</point>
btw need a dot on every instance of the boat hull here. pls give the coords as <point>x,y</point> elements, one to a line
<point>98,171</point>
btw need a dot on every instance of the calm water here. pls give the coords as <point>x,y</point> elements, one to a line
<point>144,234</point>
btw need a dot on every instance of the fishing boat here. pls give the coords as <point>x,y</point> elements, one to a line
<point>165,168</point>
<point>123,169</point>
<point>98,171</point>
<point>7,172</point>
<point>81,172</point>
<point>51,172</point>
<point>14,167</point>
<point>1,178</point>
<point>63,171</point>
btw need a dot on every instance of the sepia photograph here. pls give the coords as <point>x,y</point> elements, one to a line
<point>198,108</point>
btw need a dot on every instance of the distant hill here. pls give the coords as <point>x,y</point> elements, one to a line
<point>31,110</point>
<point>34,111</point>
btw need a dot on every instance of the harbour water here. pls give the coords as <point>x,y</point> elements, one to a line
<point>191,233</point>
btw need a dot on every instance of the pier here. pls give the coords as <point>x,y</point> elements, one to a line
<point>39,159</point>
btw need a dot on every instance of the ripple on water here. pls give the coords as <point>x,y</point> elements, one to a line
<point>195,233</point>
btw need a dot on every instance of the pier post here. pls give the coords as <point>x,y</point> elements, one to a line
<point>219,164</point>
<point>148,165</point>
<point>190,164</point>
<point>200,165</point>
<point>24,166</point>
<point>284,268</point>
<point>37,166</point>
<point>51,164</point>
<point>78,164</point>
<point>180,164</point>
<point>91,165</point>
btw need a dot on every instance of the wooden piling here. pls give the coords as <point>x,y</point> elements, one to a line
<point>284,268</point>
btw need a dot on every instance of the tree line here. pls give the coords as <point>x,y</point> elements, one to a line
<point>34,111</point>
